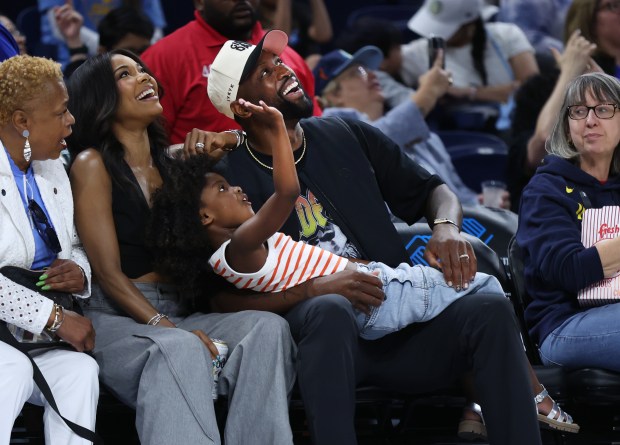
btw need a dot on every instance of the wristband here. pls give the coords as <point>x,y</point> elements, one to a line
<point>445,221</point>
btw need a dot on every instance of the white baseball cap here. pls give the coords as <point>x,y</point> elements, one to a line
<point>442,18</point>
<point>234,63</point>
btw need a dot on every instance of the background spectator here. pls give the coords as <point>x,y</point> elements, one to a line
<point>194,46</point>
<point>487,61</point>
<point>598,21</point>
<point>542,21</point>
<point>306,22</point>
<point>537,104</point>
<point>92,12</point>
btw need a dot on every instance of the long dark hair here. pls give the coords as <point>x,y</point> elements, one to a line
<point>478,45</point>
<point>93,101</point>
<point>175,232</point>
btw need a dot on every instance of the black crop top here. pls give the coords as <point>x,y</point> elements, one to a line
<point>131,213</point>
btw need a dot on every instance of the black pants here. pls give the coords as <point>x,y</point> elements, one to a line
<point>477,333</point>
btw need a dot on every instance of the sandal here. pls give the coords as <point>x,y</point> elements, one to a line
<point>470,429</point>
<point>557,419</point>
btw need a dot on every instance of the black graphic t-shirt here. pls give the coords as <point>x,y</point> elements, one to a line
<point>318,229</point>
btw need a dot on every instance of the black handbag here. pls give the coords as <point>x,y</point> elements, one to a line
<point>28,278</point>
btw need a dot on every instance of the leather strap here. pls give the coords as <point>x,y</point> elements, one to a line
<point>85,433</point>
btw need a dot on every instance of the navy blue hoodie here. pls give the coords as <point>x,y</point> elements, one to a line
<point>556,264</point>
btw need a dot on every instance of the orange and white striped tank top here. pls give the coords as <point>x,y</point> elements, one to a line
<point>288,264</point>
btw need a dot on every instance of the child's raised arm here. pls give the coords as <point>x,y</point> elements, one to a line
<point>269,219</point>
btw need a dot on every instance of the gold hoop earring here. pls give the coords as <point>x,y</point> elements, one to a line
<point>27,150</point>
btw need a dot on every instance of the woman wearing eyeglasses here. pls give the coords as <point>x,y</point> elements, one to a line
<point>36,222</point>
<point>582,171</point>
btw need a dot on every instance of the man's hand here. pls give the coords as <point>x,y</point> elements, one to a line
<point>64,276</point>
<point>449,251</point>
<point>199,142</point>
<point>363,290</point>
<point>78,331</point>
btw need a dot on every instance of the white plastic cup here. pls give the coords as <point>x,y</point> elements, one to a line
<point>492,192</point>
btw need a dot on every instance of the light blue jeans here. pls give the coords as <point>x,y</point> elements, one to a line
<point>414,294</point>
<point>588,339</point>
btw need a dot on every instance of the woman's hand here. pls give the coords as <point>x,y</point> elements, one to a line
<point>198,142</point>
<point>64,276</point>
<point>449,251</point>
<point>207,342</point>
<point>363,290</point>
<point>78,331</point>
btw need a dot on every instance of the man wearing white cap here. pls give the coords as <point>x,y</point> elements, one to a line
<point>348,170</point>
<point>487,60</point>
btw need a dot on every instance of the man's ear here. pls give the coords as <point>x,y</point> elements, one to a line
<point>205,219</point>
<point>240,111</point>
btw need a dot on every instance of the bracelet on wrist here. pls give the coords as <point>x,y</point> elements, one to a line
<point>155,319</point>
<point>438,221</point>
<point>59,318</point>
<point>79,50</point>
<point>240,139</point>
<point>83,277</point>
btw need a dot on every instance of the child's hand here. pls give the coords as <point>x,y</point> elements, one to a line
<point>268,116</point>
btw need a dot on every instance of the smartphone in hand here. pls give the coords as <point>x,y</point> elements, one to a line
<point>434,44</point>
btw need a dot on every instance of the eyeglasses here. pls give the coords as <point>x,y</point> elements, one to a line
<point>613,6</point>
<point>602,111</point>
<point>43,226</point>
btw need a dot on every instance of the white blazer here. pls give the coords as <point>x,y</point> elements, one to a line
<point>18,305</point>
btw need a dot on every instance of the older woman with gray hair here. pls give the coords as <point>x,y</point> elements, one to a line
<point>581,171</point>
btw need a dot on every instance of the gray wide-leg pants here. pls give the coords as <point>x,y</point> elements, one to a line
<point>166,374</point>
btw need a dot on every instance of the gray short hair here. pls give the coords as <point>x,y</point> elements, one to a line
<point>602,87</point>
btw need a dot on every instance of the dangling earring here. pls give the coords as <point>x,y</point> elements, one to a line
<point>27,151</point>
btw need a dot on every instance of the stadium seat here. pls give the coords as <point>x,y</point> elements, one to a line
<point>399,15</point>
<point>591,387</point>
<point>28,21</point>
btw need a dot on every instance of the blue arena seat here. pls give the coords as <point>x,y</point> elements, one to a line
<point>28,21</point>
<point>399,15</point>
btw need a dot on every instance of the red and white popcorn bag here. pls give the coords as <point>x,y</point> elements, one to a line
<point>598,225</point>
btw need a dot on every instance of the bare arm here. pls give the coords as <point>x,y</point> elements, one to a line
<point>446,245</point>
<point>572,62</point>
<point>320,29</point>
<point>361,289</point>
<point>282,18</point>
<point>253,233</point>
<point>523,66</point>
<point>92,194</point>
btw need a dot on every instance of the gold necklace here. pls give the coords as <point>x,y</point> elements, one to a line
<point>262,164</point>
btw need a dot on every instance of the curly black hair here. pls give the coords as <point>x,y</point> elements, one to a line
<point>174,232</point>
